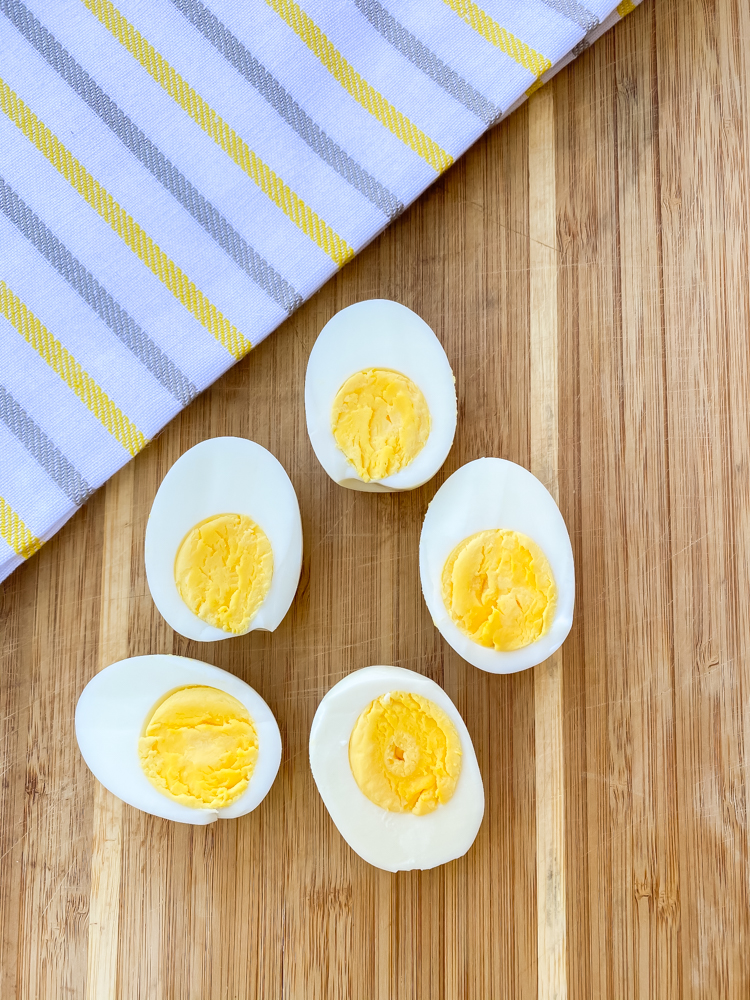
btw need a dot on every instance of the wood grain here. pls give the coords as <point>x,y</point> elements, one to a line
<point>586,267</point>
<point>106,840</point>
<point>552,980</point>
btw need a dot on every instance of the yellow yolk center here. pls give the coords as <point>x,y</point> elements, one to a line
<point>223,570</point>
<point>199,747</point>
<point>405,753</point>
<point>498,588</point>
<point>380,421</point>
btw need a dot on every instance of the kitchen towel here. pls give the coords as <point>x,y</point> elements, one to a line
<point>177,177</point>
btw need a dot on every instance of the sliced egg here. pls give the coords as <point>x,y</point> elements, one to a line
<point>224,541</point>
<point>396,769</point>
<point>496,566</point>
<point>163,731</point>
<point>380,398</point>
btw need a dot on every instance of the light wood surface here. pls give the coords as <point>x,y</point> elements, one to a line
<point>586,266</point>
<point>544,435</point>
<point>106,840</point>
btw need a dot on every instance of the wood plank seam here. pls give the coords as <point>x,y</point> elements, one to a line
<point>106,847</point>
<point>543,423</point>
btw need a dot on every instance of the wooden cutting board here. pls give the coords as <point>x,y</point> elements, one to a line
<point>586,268</point>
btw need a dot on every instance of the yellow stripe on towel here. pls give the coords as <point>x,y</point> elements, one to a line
<point>358,88</point>
<point>62,362</point>
<point>15,532</point>
<point>500,37</point>
<point>293,207</point>
<point>135,238</point>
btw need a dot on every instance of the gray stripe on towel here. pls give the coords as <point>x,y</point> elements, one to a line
<point>286,107</point>
<point>134,139</point>
<point>60,470</point>
<point>575,12</point>
<point>96,296</point>
<point>427,61</point>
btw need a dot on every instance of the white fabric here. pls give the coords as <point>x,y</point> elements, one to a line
<point>139,343</point>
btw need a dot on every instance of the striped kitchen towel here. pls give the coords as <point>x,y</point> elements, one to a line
<point>177,176</point>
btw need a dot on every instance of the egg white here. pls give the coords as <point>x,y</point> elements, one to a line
<point>493,493</point>
<point>379,333</point>
<point>389,840</point>
<point>226,475</point>
<point>111,716</point>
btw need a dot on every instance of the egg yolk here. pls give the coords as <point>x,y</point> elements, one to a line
<point>223,570</point>
<point>199,747</point>
<point>498,588</point>
<point>380,421</point>
<point>405,754</point>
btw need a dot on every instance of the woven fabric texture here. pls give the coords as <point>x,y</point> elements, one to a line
<point>177,177</point>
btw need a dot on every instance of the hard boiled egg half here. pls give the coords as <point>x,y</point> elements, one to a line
<point>396,769</point>
<point>380,398</point>
<point>496,566</point>
<point>178,738</point>
<point>224,541</point>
